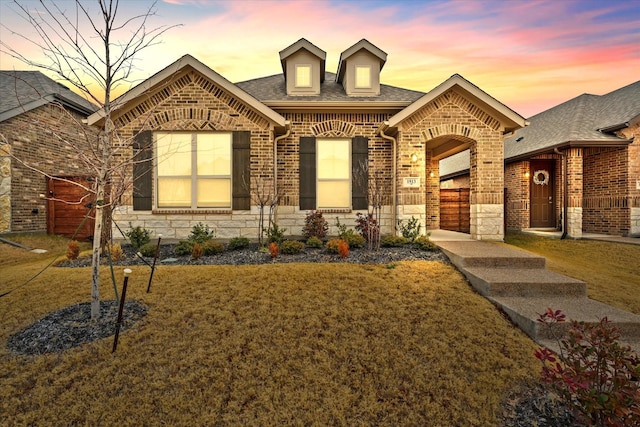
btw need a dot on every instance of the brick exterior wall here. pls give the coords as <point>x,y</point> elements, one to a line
<point>604,208</point>
<point>45,139</point>
<point>633,159</point>
<point>517,209</point>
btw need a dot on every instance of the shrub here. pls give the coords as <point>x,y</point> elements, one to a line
<point>368,227</point>
<point>115,251</point>
<point>291,247</point>
<point>335,245</point>
<point>148,250</point>
<point>183,248</point>
<point>393,241</point>
<point>211,247</point>
<point>273,249</point>
<point>593,373</point>
<point>314,242</point>
<point>354,239</point>
<point>423,243</point>
<point>315,225</point>
<point>73,250</point>
<point>201,233</point>
<point>196,252</point>
<point>275,234</point>
<point>138,236</point>
<point>411,230</point>
<point>343,248</point>
<point>238,243</point>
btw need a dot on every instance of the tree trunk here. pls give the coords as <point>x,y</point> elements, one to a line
<point>95,254</point>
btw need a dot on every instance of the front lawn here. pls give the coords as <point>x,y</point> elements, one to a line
<point>290,344</point>
<point>611,270</point>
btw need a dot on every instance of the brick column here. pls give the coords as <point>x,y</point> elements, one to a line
<point>432,182</point>
<point>487,188</point>
<point>574,182</point>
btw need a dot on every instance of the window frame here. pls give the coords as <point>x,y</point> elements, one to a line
<point>348,179</point>
<point>194,177</point>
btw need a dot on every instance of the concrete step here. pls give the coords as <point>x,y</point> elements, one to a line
<point>523,311</point>
<point>468,254</point>
<point>523,282</point>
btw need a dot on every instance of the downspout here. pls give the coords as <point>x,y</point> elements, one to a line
<point>565,191</point>
<point>275,155</point>
<point>394,144</point>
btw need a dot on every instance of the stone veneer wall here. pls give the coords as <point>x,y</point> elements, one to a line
<point>45,138</point>
<point>5,189</point>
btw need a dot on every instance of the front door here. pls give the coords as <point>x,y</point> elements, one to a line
<point>542,201</point>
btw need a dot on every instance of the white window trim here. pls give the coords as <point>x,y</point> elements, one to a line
<point>349,179</point>
<point>297,85</point>
<point>194,176</point>
<point>355,83</point>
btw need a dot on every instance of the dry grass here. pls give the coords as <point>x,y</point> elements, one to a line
<point>289,344</point>
<point>611,270</point>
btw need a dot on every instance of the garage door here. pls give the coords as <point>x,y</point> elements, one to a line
<point>67,208</point>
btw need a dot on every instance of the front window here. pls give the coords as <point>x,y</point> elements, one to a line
<point>303,75</point>
<point>193,170</point>
<point>334,173</point>
<point>363,77</point>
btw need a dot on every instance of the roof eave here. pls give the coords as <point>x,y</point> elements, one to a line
<point>569,144</point>
<point>342,105</point>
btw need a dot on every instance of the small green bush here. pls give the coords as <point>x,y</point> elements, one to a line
<point>424,244</point>
<point>201,233</point>
<point>354,239</point>
<point>411,230</point>
<point>238,243</point>
<point>314,242</point>
<point>183,248</point>
<point>275,234</point>
<point>212,247</point>
<point>148,249</point>
<point>138,236</point>
<point>291,247</point>
<point>393,241</point>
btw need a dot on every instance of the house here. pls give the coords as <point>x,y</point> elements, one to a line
<point>581,157</point>
<point>37,167</point>
<point>204,147</point>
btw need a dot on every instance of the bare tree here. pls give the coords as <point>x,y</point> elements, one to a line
<point>264,194</point>
<point>87,47</point>
<point>373,182</point>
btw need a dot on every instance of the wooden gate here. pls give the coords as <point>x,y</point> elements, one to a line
<point>455,210</point>
<point>67,207</point>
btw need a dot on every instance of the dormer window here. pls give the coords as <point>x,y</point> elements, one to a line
<point>303,75</point>
<point>363,77</point>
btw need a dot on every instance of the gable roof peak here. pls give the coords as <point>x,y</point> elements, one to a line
<point>302,44</point>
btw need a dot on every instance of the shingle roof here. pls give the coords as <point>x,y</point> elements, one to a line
<point>21,91</point>
<point>580,119</point>
<point>273,89</point>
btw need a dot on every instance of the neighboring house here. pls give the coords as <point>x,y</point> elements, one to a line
<point>36,168</point>
<point>205,147</point>
<point>581,157</point>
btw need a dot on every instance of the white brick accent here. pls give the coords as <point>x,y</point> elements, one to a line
<point>487,221</point>
<point>635,222</point>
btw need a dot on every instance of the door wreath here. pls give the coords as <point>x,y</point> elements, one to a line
<point>541,177</point>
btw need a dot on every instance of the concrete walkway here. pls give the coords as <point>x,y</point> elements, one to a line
<point>519,284</point>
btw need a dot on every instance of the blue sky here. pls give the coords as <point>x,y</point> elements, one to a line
<point>530,55</point>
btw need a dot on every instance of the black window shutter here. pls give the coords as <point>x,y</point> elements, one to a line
<point>307,172</point>
<point>142,176</point>
<point>241,171</point>
<point>360,174</point>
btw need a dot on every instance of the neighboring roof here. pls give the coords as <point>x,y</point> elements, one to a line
<point>362,44</point>
<point>455,165</point>
<point>180,65</point>
<point>509,118</point>
<point>272,91</point>
<point>309,47</point>
<point>22,91</point>
<point>581,121</point>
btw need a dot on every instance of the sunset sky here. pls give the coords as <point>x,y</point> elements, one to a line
<point>530,55</point>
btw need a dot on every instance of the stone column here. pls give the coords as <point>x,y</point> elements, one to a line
<point>487,188</point>
<point>5,189</point>
<point>574,181</point>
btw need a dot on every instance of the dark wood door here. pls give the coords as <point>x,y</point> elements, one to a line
<point>542,201</point>
<point>68,205</point>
